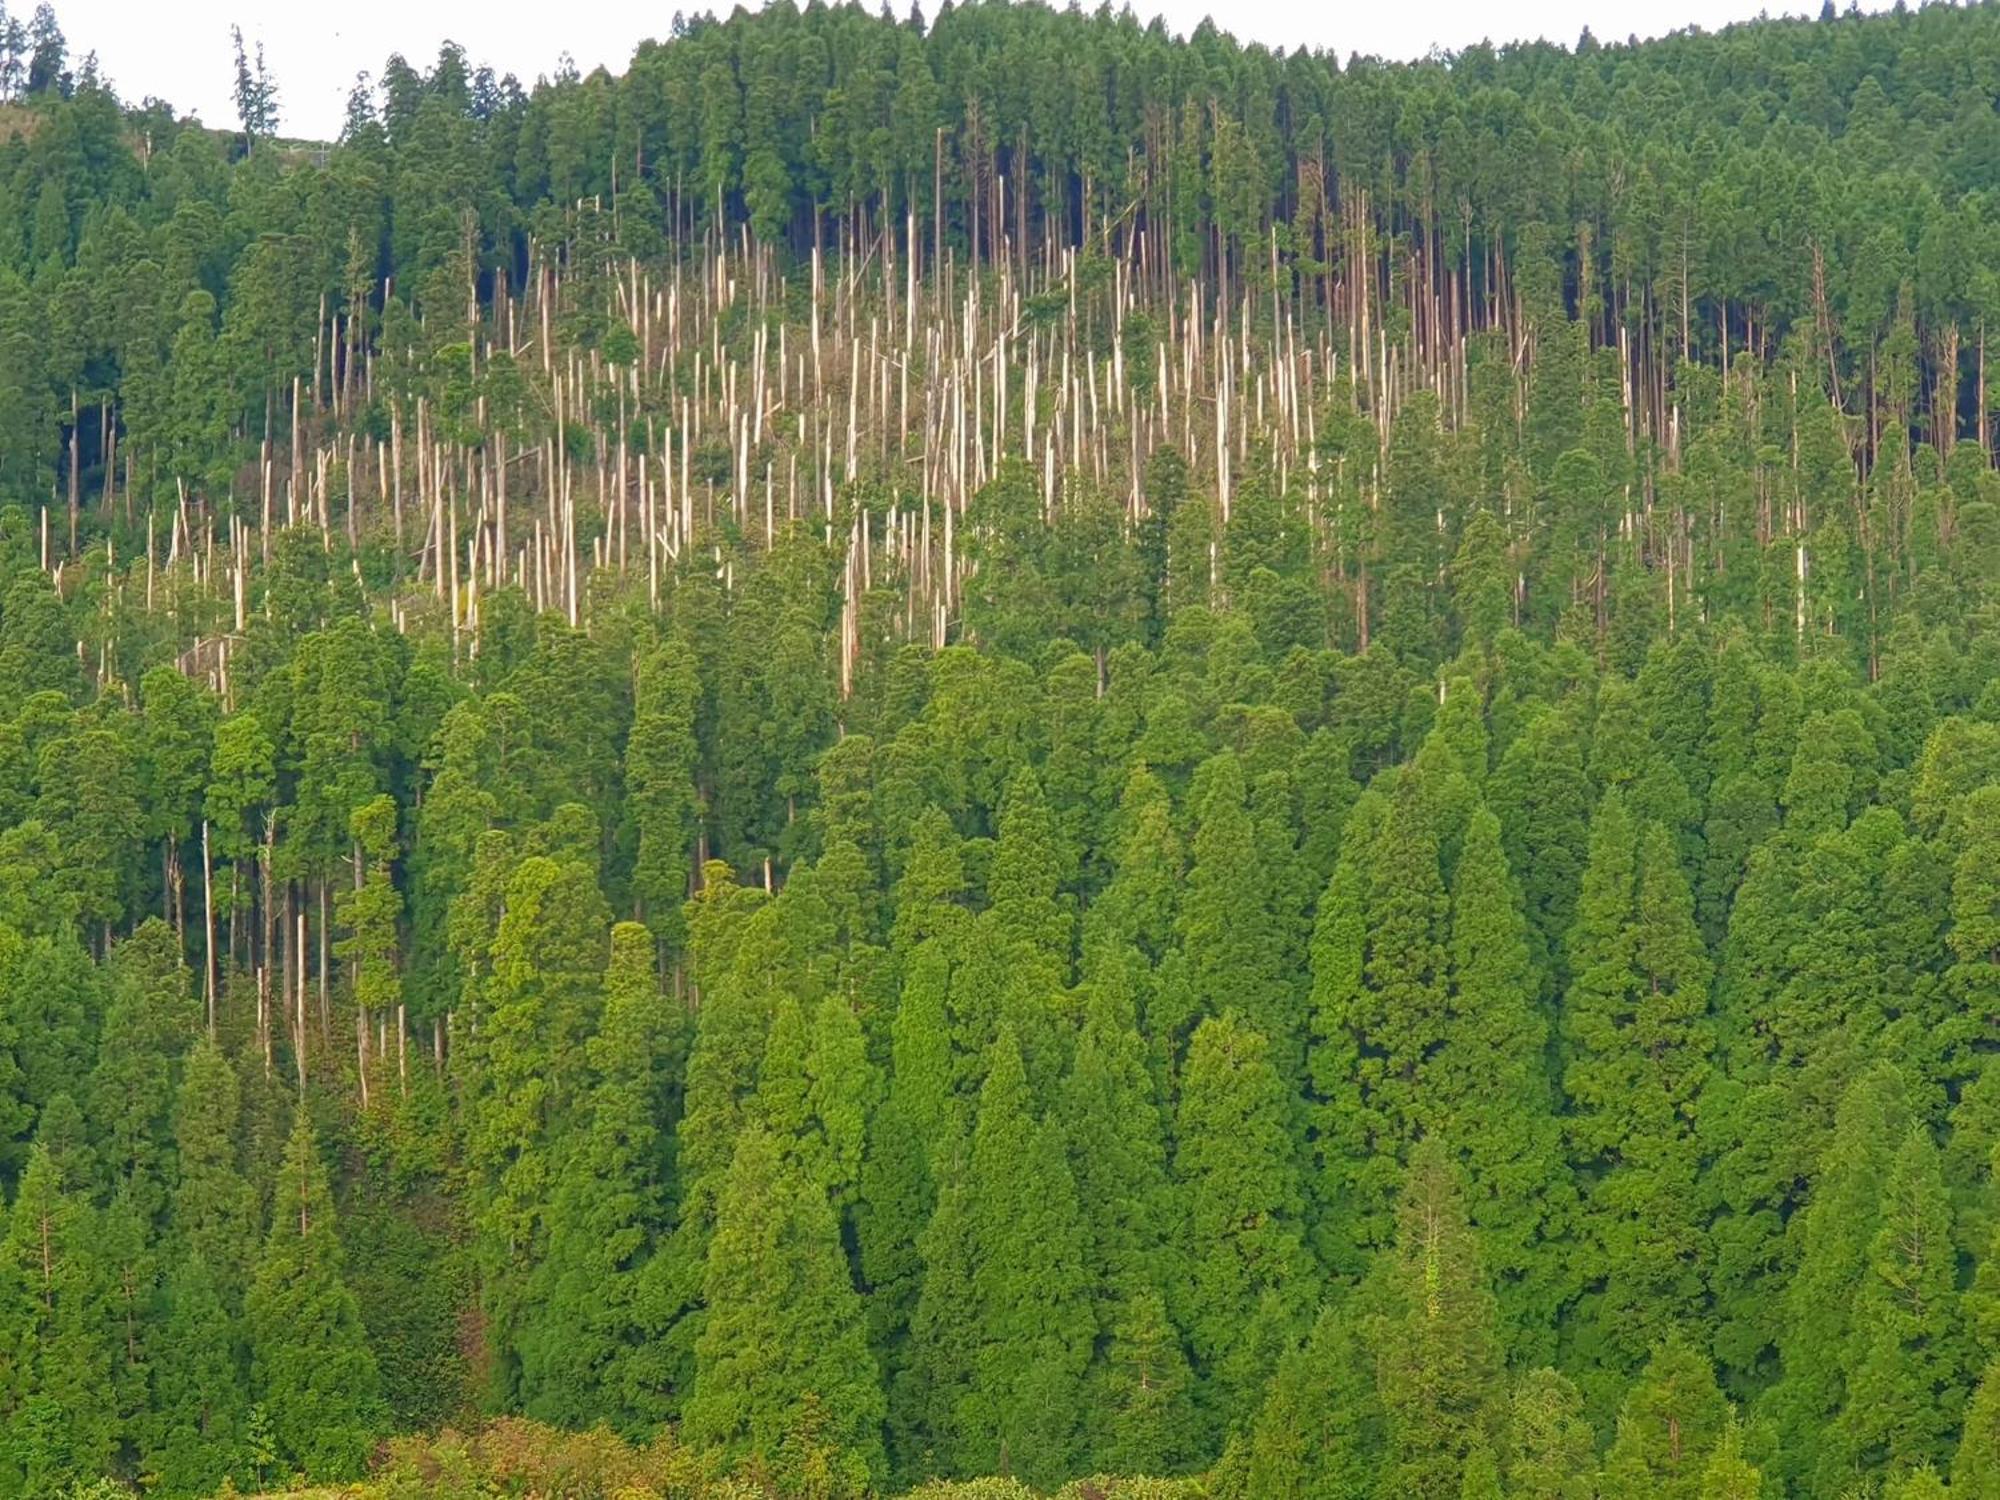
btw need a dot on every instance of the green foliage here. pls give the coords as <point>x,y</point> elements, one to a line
<point>311,1372</point>
<point>783,1320</point>
<point>1309,754</point>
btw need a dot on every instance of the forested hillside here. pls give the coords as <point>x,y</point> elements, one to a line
<point>1000,750</point>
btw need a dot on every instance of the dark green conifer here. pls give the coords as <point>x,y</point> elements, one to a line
<point>310,1366</point>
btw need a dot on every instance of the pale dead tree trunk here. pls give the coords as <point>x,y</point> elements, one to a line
<point>360,1008</point>
<point>267,916</point>
<point>325,1011</point>
<point>208,928</point>
<point>299,1003</point>
<point>75,467</point>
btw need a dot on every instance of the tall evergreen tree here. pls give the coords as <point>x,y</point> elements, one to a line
<point>1436,1346</point>
<point>1247,1264</point>
<point>1033,1324</point>
<point>195,1440</point>
<point>1229,925</point>
<point>783,1322</point>
<point>56,1379</point>
<point>586,1355</point>
<point>1493,1069</point>
<point>311,1370</point>
<point>1834,1231</point>
<point>1553,1451</point>
<point>1319,1433</point>
<point>215,1209</point>
<point>1637,1045</point>
<point>1909,1369</point>
<point>1668,1426</point>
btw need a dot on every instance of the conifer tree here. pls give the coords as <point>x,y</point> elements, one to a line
<point>1378,1001</point>
<point>1235,1168</point>
<point>1482,1474</point>
<point>586,1355</point>
<point>1319,1433</point>
<point>1834,1231</point>
<point>1142,1410</point>
<point>310,1366</point>
<point>1920,1483</point>
<point>1909,1370</point>
<point>1637,1044</point>
<point>1137,908</point>
<point>148,1022</point>
<point>1542,797</point>
<point>1111,1124</point>
<point>842,1093</point>
<point>1975,1467</point>
<point>1229,928</point>
<point>214,1209</point>
<point>58,1418</point>
<point>661,756</point>
<point>372,913</point>
<point>1668,1426</point>
<point>1025,908</point>
<point>934,1380</point>
<point>1493,1074</point>
<point>783,1321</point>
<point>1033,1324</point>
<point>125,1275</point>
<point>913,1127</point>
<point>1728,1476</point>
<point>195,1439</point>
<point>1436,1348</point>
<point>1553,1449</point>
<point>539,1003</point>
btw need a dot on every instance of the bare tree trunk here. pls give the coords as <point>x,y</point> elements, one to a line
<point>208,928</point>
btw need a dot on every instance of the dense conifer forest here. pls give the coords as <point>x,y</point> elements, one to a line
<point>947,754</point>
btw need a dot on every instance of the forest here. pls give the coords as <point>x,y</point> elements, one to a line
<point>996,755</point>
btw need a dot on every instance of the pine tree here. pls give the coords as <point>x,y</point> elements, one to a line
<point>310,1365</point>
<point>783,1320</point>
<point>1437,1353</point>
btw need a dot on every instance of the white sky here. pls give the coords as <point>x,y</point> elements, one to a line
<point>179,50</point>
